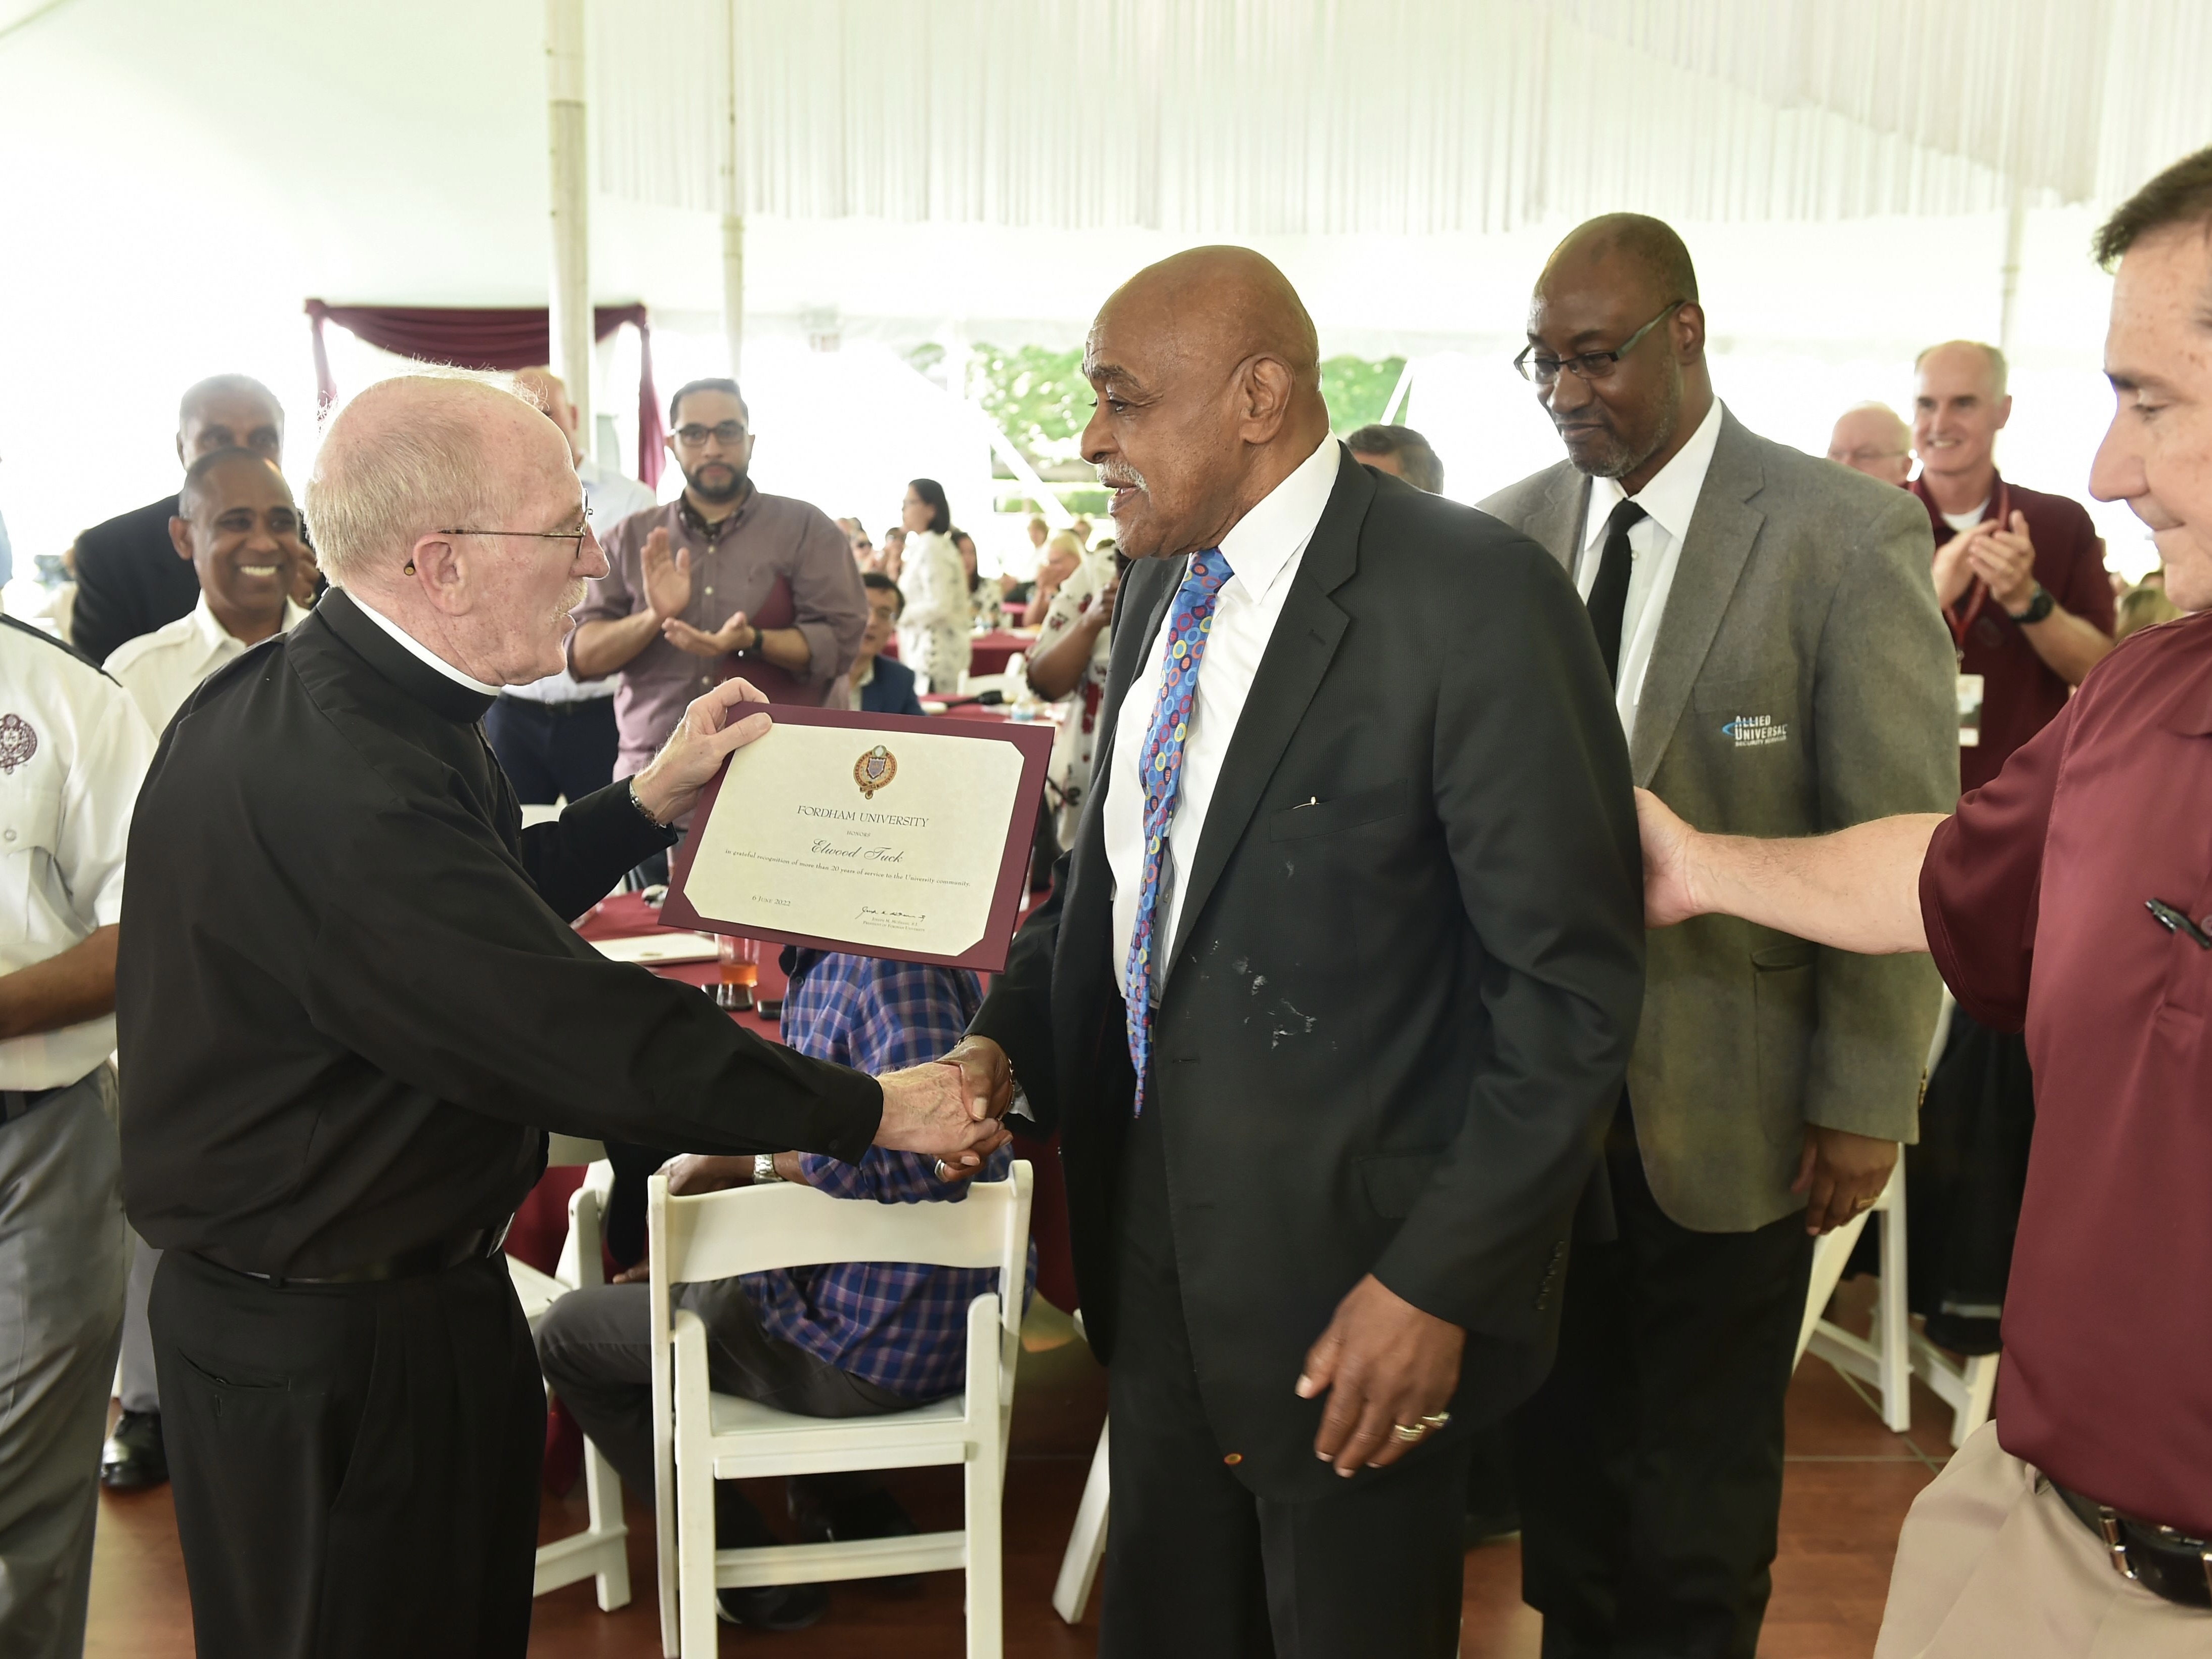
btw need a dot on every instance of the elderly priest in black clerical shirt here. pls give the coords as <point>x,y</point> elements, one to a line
<point>352,1004</point>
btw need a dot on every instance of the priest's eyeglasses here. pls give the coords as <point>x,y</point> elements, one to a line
<point>1590,365</point>
<point>574,538</point>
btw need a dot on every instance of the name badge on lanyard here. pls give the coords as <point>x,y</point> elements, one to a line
<point>1970,711</point>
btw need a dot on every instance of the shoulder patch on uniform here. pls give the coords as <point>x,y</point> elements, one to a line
<point>59,644</point>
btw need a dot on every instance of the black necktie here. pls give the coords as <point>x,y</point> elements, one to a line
<point>1608,594</point>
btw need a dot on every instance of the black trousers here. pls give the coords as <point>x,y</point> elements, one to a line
<point>1197,1565</point>
<point>554,750</point>
<point>1651,1460</point>
<point>356,1467</point>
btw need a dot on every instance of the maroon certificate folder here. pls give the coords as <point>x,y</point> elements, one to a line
<point>803,827</point>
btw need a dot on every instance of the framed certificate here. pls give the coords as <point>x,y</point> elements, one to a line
<point>880,834</point>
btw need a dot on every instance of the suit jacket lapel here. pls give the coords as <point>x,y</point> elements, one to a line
<point>1721,530</point>
<point>1556,525</point>
<point>1298,654</point>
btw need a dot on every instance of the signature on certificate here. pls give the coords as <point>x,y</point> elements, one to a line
<point>877,916</point>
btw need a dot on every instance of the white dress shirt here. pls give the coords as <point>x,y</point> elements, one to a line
<point>610,498</point>
<point>1264,551</point>
<point>415,647</point>
<point>1654,547</point>
<point>73,751</point>
<point>159,670</point>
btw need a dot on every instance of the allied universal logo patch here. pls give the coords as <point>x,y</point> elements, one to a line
<point>1755,731</point>
<point>18,743</point>
<point>872,771</point>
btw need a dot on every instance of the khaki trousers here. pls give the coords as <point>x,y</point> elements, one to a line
<point>1992,1562</point>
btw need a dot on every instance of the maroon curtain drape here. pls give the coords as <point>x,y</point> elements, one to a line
<point>488,337</point>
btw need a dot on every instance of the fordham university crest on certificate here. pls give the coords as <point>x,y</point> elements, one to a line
<point>19,741</point>
<point>874,770</point>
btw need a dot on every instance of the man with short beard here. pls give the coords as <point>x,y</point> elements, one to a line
<point>1779,665</point>
<point>723,581</point>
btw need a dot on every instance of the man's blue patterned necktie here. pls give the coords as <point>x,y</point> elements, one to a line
<point>1159,771</point>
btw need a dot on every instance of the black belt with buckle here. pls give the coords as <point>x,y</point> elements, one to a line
<point>2165,1560</point>
<point>418,1262</point>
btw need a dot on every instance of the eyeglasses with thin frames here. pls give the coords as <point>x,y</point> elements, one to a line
<point>1590,365</point>
<point>574,538</point>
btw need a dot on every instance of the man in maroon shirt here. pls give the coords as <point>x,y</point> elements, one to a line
<point>2074,896</point>
<point>2019,574</point>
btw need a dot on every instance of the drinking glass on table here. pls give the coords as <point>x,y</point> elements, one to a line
<point>739,960</point>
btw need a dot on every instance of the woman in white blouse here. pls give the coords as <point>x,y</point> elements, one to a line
<point>933,630</point>
<point>1067,666</point>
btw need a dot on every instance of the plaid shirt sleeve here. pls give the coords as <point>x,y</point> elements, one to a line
<point>889,1016</point>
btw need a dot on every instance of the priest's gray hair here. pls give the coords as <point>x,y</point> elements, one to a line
<point>404,459</point>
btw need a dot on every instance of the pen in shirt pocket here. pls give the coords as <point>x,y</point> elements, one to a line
<point>2174,921</point>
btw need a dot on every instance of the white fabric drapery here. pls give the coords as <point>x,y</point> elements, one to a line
<point>1298,117</point>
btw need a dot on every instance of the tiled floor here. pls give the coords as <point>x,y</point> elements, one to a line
<point>1848,1483</point>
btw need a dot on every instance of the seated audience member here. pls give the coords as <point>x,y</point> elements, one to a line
<point>1063,557</point>
<point>1038,531</point>
<point>1081,531</point>
<point>129,580</point>
<point>1400,451</point>
<point>850,1340</point>
<point>881,684</point>
<point>893,563</point>
<point>1068,666</point>
<point>2145,607</point>
<point>239,530</point>
<point>1872,439</point>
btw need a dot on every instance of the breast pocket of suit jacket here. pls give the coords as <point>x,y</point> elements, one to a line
<point>1747,718</point>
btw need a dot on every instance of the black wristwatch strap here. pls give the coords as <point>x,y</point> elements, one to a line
<point>2038,607</point>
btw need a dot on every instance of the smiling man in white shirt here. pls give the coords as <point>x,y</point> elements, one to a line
<point>238,527</point>
<point>1779,661</point>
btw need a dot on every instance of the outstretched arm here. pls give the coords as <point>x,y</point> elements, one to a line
<point>1857,890</point>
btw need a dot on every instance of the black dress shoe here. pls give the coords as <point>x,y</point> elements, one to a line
<point>874,1514</point>
<point>133,1459</point>
<point>774,1607</point>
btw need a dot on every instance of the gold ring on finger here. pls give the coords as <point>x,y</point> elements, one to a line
<point>1435,1419</point>
<point>1408,1432</point>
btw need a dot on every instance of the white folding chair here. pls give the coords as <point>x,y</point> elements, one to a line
<point>1086,1539</point>
<point>601,1551</point>
<point>700,1438</point>
<point>1898,1352</point>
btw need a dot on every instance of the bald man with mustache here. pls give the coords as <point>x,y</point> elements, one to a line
<point>1333,996</point>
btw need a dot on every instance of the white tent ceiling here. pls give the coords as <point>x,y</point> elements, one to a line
<point>176,180</point>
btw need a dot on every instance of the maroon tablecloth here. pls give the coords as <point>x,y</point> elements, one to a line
<point>987,653</point>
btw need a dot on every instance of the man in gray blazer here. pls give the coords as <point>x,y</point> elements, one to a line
<point>1781,669</point>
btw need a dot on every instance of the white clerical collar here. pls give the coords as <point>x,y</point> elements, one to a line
<point>416,648</point>
<point>1671,497</point>
<point>1276,531</point>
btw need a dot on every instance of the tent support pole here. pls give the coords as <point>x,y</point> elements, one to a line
<point>570,295</point>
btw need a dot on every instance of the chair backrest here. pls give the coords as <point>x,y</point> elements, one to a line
<point>567,1150</point>
<point>749,1229</point>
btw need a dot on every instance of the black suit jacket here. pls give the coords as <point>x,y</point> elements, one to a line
<point>129,580</point>
<point>1397,1019</point>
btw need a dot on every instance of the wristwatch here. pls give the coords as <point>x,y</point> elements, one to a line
<point>2038,607</point>
<point>764,1169</point>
